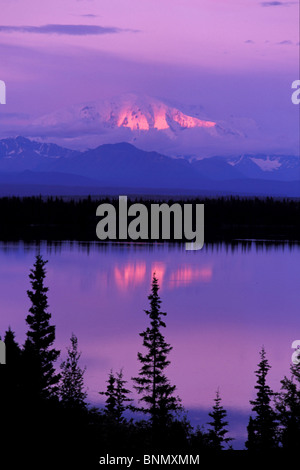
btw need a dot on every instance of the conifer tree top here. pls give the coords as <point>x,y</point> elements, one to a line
<point>41,334</point>
<point>152,383</point>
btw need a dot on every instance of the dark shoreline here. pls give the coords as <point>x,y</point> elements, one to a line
<point>230,220</point>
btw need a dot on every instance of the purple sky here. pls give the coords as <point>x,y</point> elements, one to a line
<point>237,57</point>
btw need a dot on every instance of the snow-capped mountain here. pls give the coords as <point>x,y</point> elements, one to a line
<point>150,123</point>
<point>168,126</point>
<point>147,122</point>
<point>275,167</point>
<point>255,166</point>
<point>171,128</point>
<point>129,111</point>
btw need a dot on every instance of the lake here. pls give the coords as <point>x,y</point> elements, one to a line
<point>223,304</point>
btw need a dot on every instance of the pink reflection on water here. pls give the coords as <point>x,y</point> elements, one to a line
<point>187,274</point>
<point>131,274</point>
<point>159,269</point>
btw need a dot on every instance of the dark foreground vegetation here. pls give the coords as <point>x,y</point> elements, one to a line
<point>46,418</point>
<point>226,219</point>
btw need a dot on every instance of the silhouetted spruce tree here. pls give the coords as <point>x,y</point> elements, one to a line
<point>11,377</point>
<point>110,403</point>
<point>122,399</point>
<point>263,428</point>
<point>251,441</point>
<point>71,390</point>
<point>152,383</point>
<point>288,409</point>
<point>199,440</point>
<point>13,362</point>
<point>13,350</point>
<point>117,397</point>
<point>42,378</point>
<point>218,425</point>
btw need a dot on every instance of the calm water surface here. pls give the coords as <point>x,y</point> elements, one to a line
<point>222,305</point>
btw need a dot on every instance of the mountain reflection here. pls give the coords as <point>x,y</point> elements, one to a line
<point>188,274</point>
<point>129,275</point>
<point>132,275</point>
<point>159,268</point>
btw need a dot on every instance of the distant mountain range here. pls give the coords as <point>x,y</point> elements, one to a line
<point>30,167</point>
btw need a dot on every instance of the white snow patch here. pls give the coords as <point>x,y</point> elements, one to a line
<point>236,161</point>
<point>267,164</point>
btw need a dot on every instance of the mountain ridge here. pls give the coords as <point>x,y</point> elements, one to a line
<point>124,165</point>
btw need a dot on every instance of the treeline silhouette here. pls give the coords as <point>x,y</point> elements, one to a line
<point>226,218</point>
<point>45,412</point>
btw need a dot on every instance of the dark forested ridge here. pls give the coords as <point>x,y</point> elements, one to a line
<point>226,219</point>
<point>46,418</point>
